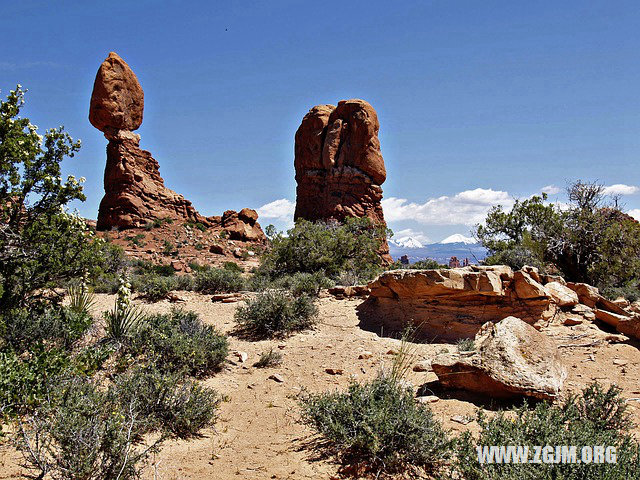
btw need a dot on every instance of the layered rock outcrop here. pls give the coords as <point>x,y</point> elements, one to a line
<point>510,359</point>
<point>134,190</point>
<point>339,167</point>
<point>451,304</point>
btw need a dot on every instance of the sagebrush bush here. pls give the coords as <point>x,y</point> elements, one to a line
<point>56,325</point>
<point>380,423</point>
<point>179,341</point>
<point>271,358</point>
<point>276,313</point>
<point>84,431</point>
<point>167,401</point>
<point>153,287</point>
<point>596,417</point>
<point>218,280</point>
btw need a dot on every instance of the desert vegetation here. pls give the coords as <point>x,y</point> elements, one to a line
<point>589,240</point>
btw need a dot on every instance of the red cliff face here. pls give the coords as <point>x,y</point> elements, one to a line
<point>339,167</point>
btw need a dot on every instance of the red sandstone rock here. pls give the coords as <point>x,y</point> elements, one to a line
<point>117,101</point>
<point>134,190</point>
<point>339,167</point>
<point>243,225</point>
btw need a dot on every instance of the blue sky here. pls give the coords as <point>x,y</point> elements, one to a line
<point>479,102</point>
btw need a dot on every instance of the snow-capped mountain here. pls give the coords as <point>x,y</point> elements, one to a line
<point>454,246</point>
<point>458,238</point>
<point>406,242</point>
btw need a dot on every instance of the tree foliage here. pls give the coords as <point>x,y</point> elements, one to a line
<point>332,248</point>
<point>589,240</point>
<point>40,243</point>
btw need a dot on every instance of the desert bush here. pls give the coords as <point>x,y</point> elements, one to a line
<point>166,401</point>
<point>217,280</point>
<point>24,378</point>
<point>55,325</point>
<point>275,313</point>
<point>595,417</point>
<point>330,248</point>
<point>379,423</point>
<point>589,240</point>
<point>179,341</point>
<point>302,283</point>
<point>271,358</point>
<point>232,267</point>
<point>466,345</point>
<point>155,288</point>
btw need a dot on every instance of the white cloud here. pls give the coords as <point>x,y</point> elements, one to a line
<point>281,210</point>
<point>551,189</point>
<point>404,235</point>
<point>635,213</point>
<point>620,189</point>
<point>465,208</point>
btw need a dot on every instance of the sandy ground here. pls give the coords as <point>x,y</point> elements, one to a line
<point>258,434</point>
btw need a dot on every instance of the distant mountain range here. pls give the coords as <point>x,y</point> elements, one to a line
<point>456,245</point>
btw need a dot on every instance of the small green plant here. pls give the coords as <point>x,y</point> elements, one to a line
<point>232,267</point>
<point>302,283</point>
<point>199,246</point>
<point>595,417</point>
<point>179,341</point>
<point>466,345</point>
<point>125,318</point>
<point>218,280</point>
<point>269,359</point>
<point>168,248</point>
<point>157,288</point>
<point>275,313</point>
<point>81,299</point>
<point>137,240</point>
<point>378,423</point>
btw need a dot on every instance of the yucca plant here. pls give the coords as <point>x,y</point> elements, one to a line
<point>81,299</point>
<point>125,317</point>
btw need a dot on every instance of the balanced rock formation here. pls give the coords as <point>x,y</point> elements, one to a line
<point>339,167</point>
<point>134,190</point>
<point>510,359</point>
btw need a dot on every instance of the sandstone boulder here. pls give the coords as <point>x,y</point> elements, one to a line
<point>117,101</point>
<point>243,225</point>
<point>561,295</point>
<point>450,304</point>
<point>511,359</point>
<point>339,167</point>
<point>526,287</point>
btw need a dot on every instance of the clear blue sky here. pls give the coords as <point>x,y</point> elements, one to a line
<point>478,102</point>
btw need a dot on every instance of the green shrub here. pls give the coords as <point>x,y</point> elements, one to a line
<point>276,313</point>
<point>180,341</point>
<point>156,288</point>
<point>181,408</point>
<point>302,283</point>
<point>379,423</point>
<point>232,267</point>
<point>596,417</point>
<point>125,318</point>
<point>216,280</point>
<point>269,359</point>
<point>466,345</point>
<point>24,379</point>
<point>55,325</point>
<point>331,248</point>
